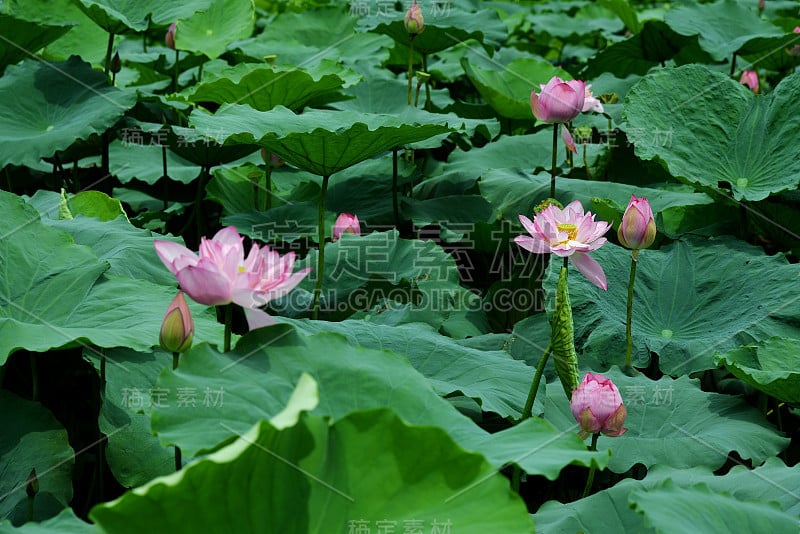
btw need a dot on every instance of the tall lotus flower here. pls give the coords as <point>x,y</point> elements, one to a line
<point>221,274</point>
<point>558,101</point>
<point>169,38</point>
<point>414,21</point>
<point>597,406</point>
<point>346,223</point>
<point>750,79</point>
<point>177,327</point>
<point>568,232</point>
<point>638,228</point>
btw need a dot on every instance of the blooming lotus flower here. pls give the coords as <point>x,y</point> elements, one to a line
<point>414,21</point>
<point>345,224</point>
<point>559,101</point>
<point>597,407</point>
<point>177,327</point>
<point>169,38</point>
<point>221,274</point>
<point>590,103</point>
<point>568,232</point>
<point>750,79</point>
<point>638,228</point>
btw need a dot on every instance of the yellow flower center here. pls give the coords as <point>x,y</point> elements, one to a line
<point>241,268</point>
<point>571,229</point>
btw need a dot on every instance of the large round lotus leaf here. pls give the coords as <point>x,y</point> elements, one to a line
<point>21,36</point>
<point>122,16</point>
<point>445,26</point>
<point>715,133</point>
<point>368,468</point>
<point>609,510</point>
<point>669,508</point>
<point>691,299</point>
<point>32,439</point>
<point>210,31</point>
<point>45,107</point>
<point>723,26</point>
<point>319,141</point>
<point>253,382</point>
<point>263,87</point>
<point>770,366</point>
<point>508,90</point>
<point>675,423</point>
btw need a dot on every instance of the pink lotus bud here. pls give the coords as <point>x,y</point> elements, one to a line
<point>796,29</point>
<point>597,406</point>
<point>275,161</point>
<point>750,79</point>
<point>345,224</point>
<point>638,227</point>
<point>169,39</point>
<point>414,20</point>
<point>177,328</point>
<point>559,101</point>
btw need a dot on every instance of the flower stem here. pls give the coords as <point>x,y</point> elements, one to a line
<point>410,66</point>
<point>629,318</point>
<point>553,167</point>
<point>593,468</point>
<point>228,327</point>
<point>176,358</point>
<point>427,83</point>
<point>175,73</point>
<point>321,256</point>
<point>537,378</point>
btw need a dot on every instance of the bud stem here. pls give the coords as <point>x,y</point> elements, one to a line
<point>321,256</point>
<point>537,378</point>
<point>593,468</point>
<point>553,167</point>
<point>628,336</point>
<point>410,65</point>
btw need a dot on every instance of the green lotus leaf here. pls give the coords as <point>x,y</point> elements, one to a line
<point>123,16</point>
<point>726,139</point>
<point>768,366</point>
<point>211,30</point>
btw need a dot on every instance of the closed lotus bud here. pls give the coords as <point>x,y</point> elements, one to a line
<point>346,224</point>
<point>414,20</point>
<point>169,39</point>
<point>750,79</point>
<point>638,228</point>
<point>275,161</point>
<point>116,64</point>
<point>32,485</point>
<point>177,328</point>
<point>597,407</point>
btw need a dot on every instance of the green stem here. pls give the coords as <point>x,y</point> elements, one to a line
<point>176,358</point>
<point>198,201</point>
<point>410,66</point>
<point>165,177</point>
<point>34,378</point>
<point>321,256</point>
<point>537,378</point>
<point>629,318</point>
<point>395,202</point>
<point>267,203</point>
<point>733,64</point>
<point>31,499</point>
<point>427,83</point>
<point>228,327</point>
<point>200,70</point>
<point>175,73</point>
<point>586,163</point>
<point>110,46</point>
<point>593,468</point>
<point>553,167</point>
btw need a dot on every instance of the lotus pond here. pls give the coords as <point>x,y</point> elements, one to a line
<point>449,266</point>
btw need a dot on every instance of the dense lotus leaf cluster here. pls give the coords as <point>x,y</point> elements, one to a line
<point>422,251</point>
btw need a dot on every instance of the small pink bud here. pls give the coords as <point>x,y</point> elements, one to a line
<point>177,328</point>
<point>750,79</point>
<point>597,406</point>
<point>346,224</point>
<point>169,39</point>
<point>638,227</point>
<point>414,20</point>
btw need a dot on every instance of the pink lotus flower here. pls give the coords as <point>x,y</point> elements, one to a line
<point>590,103</point>
<point>221,274</point>
<point>559,101</point>
<point>638,228</point>
<point>567,232</point>
<point>750,79</point>
<point>169,38</point>
<point>177,327</point>
<point>345,224</point>
<point>597,407</point>
<point>414,21</point>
